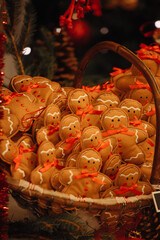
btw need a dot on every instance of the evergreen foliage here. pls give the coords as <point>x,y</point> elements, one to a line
<point>66,226</point>
<point>20,29</point>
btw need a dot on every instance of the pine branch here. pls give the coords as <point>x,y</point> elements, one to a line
<point>20,28</point>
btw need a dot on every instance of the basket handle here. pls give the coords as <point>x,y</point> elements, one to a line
<point>133,59</point>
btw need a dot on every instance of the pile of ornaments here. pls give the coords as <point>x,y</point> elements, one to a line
<point>93,142</point>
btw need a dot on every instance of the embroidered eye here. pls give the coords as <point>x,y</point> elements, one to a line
<point>83,99</point>
<point>91,140</point>
<point>70,128</point>
<point>146,96</point>
<point>78,101</point>
<point>118,120</point>
<point>21,81</point>
<point>128,110</point>
<point>88,161</point>
<point>140,96</point>
<point>131,177</point>
<point>112,169</point>
<point>52,153</point>
<point>127,178</point>
<point>94,162</point>
<point>134,111</point>
<point>47,154</point>
<point>148,148</point>
<point>110,105</point>
<point>95,137</point>
<point>53,117</point>
<point>112,120</point>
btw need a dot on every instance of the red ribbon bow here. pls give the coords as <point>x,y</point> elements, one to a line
<point>123,189</point>
<point>117,71</point>
<point>9,97</point>
<point>140,85</point>
<point>32,86</point>
<point>71,141</point>
<point>89,110</point>
<point>17,160</point>
<point>85,174</point>
<point>47,166</point>
<point>112,132</point>
<point>53,129</point>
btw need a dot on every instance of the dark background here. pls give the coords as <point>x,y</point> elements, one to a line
<point>124,28</point>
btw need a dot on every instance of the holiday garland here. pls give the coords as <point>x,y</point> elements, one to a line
<point>3,183</point>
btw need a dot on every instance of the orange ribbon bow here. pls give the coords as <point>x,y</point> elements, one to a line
<point>102,146</point>
<point>47,166</point>
<point>124,189</point>
<point>32,86</point>
<point>117,71</point>
<point>17,160</point>
<point>144,47</point>
<point>135,122</point>
<point>89,110</point>
<point>108,86</point>
<point>92,89</point>
<point>9,97</point>
<point>71,141</point>
<point>85,174</point>
<point>53,129</point>
<point>140,85</point>
<point>112,132</point>
<point>152,112</point>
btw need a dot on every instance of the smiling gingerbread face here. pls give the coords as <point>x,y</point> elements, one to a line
<point>20,81</point>
<point>52,115</point>
<point>78,99</point>
<point>112,165</point>
<point>46,152</point>
<point>89,159</point>
<point>108,99</point>
<point>141,95</point>
<point>132,107</point>
<point>128,175</point>
<point>114,118</point>
<point>69,126</point>
<point>91,137</point>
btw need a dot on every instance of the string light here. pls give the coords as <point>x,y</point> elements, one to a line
<point>26,51</point>
<point>157,24</point>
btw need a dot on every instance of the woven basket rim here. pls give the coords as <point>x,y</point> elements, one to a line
<point>34,191</point>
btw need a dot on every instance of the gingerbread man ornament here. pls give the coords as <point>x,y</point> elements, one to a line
<point>79,103</point>
<point>19,155</point>
<point>92,138</point>
<point>50,130</point>
<point>115,123</point>
<point>85,180</point>
<point>47,165</point>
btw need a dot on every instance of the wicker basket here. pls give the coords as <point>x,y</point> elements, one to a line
<point>43,201</point>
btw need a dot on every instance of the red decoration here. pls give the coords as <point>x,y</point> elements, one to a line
<point>3,183</point>
<point>3,206</point>
<point>80,33</point>
<point>80,7</point>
